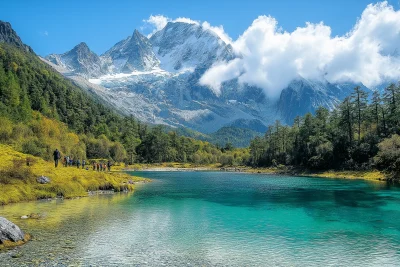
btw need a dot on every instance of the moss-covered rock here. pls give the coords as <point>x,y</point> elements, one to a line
<point>11,235</point>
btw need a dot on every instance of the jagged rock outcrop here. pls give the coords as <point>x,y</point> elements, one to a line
<point>80,60</point>
<point>8,35</point>
<point>302,96</point>
<point>132,54</point>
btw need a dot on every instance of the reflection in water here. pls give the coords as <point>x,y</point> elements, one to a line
<point>223,219</point>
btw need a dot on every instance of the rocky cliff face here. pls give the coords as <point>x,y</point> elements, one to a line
<point>80,60</point>
<point>8,35</point>
<point>302,96</point>
<point>132,54</point>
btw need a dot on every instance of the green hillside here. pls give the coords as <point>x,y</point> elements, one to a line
<point>42,110</point>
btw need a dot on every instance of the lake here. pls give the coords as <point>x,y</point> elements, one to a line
<point>217,219</point>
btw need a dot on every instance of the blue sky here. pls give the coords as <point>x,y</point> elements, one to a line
<point>57,26</point>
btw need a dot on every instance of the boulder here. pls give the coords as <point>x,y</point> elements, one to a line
<point>43,180</point>
<point>10,232</point>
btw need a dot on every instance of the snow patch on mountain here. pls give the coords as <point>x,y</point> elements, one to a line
<point>180,45</point>
<point>133,53</point>
<point>190,115</point>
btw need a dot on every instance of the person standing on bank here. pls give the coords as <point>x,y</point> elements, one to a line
<point>56,156</point>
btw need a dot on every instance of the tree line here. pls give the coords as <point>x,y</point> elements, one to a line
<point>361,133</point>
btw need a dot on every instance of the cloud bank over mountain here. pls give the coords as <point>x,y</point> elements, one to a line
<point>271,58</point>
<point>158,22</point>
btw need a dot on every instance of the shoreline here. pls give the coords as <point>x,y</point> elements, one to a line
<point>372,175</point>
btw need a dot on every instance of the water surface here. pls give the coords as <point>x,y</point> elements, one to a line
<point>218,219</point>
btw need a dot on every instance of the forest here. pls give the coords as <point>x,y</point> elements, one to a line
<point>361,133</point>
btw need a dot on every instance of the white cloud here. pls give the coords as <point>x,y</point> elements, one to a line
<point>224,71</point>
<point>44,33</point>
<point>158,22</point>
<point>186,20</point>
<point>219,30</point>
<point>272,58</point>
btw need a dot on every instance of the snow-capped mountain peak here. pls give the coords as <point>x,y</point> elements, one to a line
<point>135,53</point>
<point>79,60</point>
<point>181,45</point>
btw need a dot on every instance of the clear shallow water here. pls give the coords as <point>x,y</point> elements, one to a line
<point>218,219</point>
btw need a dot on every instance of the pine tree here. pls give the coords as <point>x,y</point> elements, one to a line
<point>360,101</point>
<point>376,106</point>
<point>347,118</point>
<point>390,98</point>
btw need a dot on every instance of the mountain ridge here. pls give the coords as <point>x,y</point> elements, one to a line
<point>167,91</point>
<point>8,35</point>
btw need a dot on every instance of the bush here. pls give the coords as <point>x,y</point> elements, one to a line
<point>19,171</point>
<point>36,148</point>
<point>388,158</point>
<point>5,129</point>
<point>226,160</point>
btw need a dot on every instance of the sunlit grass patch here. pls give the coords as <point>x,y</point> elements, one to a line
<point>18,181</point>
<point>367,175</point>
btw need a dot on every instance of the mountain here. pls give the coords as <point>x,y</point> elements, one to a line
<point>182,46</point>
<point>135,53</point>
<point>303,96</point>
<point>30,87</point>
<point>156,79</point>
<point>80,60</point>
<point>9,36</point>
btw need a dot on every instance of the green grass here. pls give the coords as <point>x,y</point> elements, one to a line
<point>367,175</point>
<point>18,181</point>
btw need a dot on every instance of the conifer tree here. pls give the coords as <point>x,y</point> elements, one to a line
<point>359,100</point>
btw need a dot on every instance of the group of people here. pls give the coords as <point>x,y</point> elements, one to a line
<point>101,166</point>
<point>70,162</point>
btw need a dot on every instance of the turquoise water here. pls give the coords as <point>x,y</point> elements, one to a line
<point>218,219</point>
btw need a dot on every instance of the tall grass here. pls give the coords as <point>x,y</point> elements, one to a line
<point>18,178</point>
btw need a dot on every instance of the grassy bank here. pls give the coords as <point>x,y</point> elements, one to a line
<point>366,175</point>
<point>169,165</point>
<point>18,181</point>
<point>282,170</point>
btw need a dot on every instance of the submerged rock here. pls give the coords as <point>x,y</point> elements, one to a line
<point>10,232</point>
<point>35,215</point>
<point>31,216</point>
<point>43,180</point>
